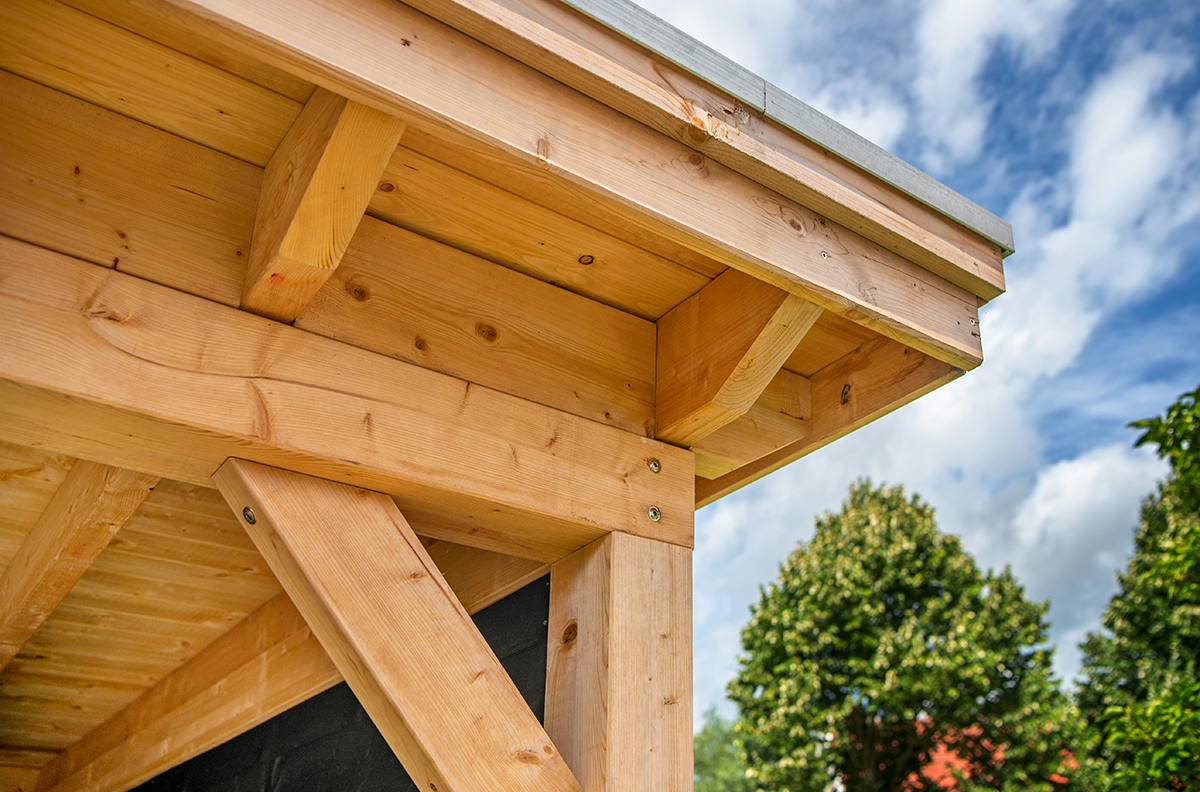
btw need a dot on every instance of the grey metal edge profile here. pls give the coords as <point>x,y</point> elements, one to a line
<point>643,27</point>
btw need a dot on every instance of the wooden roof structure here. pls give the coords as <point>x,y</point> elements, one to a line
<point>326,323</point>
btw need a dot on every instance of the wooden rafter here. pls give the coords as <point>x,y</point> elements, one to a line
<point>396,631</point>
<point>718,351</point>
<point>619,671</point>
<point>396,59</point>
<point>196,382</point>
<point>315,190</point>
<point>91,505</point>
<point>268,662</point>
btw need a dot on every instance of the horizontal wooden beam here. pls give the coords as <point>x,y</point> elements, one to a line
<point>389,621</point>
<point>588,56</point>
<point>521,125</point>
<point>315,190</point>
<point>266,664</point>
<point>619,664</point>
<point>875,379</point>
<point>90,506</point>
<point>719,349</point>
<point>108,367</point>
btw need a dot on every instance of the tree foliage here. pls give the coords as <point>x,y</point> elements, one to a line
<point>719,766</point>
<point>1141,689</point>
<point>881,640</point>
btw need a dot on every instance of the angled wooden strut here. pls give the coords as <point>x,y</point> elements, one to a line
<point>266,664</point>
<point>719,350</point>
<point>91,505</point>
<point>395,630</point>
<point>619,664</point>
<point>314,192</point>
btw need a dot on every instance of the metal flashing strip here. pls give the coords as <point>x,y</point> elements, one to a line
<point>643,27</point>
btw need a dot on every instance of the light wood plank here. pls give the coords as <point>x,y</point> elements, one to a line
<point>619,668</point>
<point>394,628</point>
<point>315,190</point>
<point>76,53</point>
<point>17,779</point>
<point>875,379</point>
<point>440,202</point>
<point>96,185</point>
<point>414,299</point>
<point>718,351</point>
<point>541,139</point>
<point>590,57</point>
<point>780,417</point>
<point>92,504</point>
<point>194,383</point>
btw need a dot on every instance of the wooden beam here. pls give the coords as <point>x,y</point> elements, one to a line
<point>541,139</point>
<point>266,664</point>
<point>90,506</point>
<point>878,377</point>
<point>395,630</point>
<point>315,190</point>
<point>619,669</point>
<point>780,417</point>
<point>718,351</point>
<point>133,374</point>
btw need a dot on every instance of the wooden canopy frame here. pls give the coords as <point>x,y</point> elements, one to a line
<point>327,323</point>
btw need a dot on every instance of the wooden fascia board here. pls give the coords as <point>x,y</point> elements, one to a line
<point>877,378</point>
<point>315,190</point>
<point>90,506</point>
<point>718,351</point>
<point>104,366</point>
<point>646,86</point>
<point>528,126</point>
<point>266,664</point>
<point>395,630</point>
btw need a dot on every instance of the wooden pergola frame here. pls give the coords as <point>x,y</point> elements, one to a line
<point>214,272</point>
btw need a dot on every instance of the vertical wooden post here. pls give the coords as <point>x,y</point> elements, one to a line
<point>619,667</point>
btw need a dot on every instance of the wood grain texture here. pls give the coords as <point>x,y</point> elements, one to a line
<point>435,200</point>
<point>619,664</point>
<point>875,379</point>
<point>396,631</point>
<point>197,382</point>
<point>90,183</point>
<point>92,504</point>
<point>76,53</point>
<point>718,351</point>
<point>541,138</point>
<point>416,300</point>
<point>314,192</point>
<point>592,58</point>
<point>780,417</point>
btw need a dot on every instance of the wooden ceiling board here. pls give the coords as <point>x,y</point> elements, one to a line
<point>28,480</point>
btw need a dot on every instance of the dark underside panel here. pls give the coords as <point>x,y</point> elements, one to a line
<point>328,744</point>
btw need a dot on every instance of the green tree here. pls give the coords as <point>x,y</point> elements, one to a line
<point>1141,691</point>
<point>719,766</point>
<point>880,640</point>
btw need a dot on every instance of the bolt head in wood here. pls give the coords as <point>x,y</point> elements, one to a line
<point>654,465</point>
<point>248,513</point>
<point>655,514</point>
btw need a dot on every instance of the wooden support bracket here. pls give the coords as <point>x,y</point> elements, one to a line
<point>314,192</point>
<point>396,631</point>
<point>91,505</point>
<point>619,667</point>
<point>718,351</point>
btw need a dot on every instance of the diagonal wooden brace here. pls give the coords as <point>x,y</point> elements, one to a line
<point>396,631</point>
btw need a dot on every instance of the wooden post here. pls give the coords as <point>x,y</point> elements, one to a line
<point>619,670</point>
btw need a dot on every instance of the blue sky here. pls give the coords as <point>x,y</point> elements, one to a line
<point>1077,122</point>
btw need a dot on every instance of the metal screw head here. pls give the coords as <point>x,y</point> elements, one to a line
<point>654,465</point>
<point>824,254</point>
<point>248,513</point>
<point>655,514</point>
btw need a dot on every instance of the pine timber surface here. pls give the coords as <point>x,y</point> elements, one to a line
<point>483,340</point>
